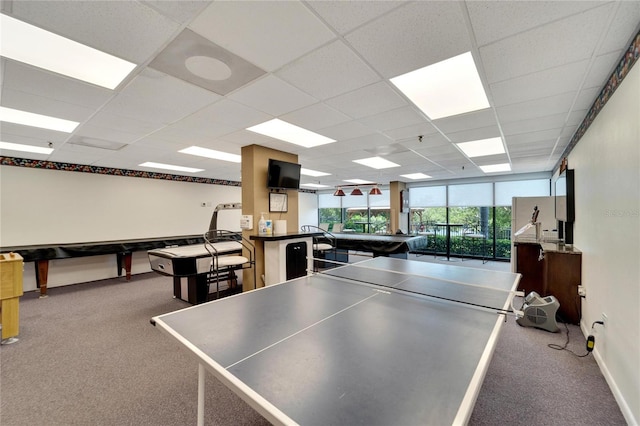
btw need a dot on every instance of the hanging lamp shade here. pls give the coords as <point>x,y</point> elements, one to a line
<point>356,191</point>
<point>375,191</point>
<point>339,193</point>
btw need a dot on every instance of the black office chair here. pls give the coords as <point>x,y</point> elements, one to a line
<point>223,247</point>
<point>323,245</point>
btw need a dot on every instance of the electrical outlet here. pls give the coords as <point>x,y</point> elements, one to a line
<point>582,292</point>
<point>604,319</point>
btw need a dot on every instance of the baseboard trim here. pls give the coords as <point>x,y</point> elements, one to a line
<point>615,390</point>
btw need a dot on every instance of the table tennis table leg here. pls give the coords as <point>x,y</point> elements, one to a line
<point>201,373</point>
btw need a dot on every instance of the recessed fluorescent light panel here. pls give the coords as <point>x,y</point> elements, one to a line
<point>25,148</point>
<point>482,147</point>
<point>287,132</point>
<point>446,88</point>
<point>416,176</point>
<point>212,153</point>
<point>314,173</point>
<point>376,163</point>
<point>314,185</point>
<point>495,168</point>
<point>170,167</point>
<point>358,181</point>
<point>34,46</point>
<point>24,118</point>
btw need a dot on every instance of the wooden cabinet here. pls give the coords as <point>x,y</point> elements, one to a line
<point>558,273</point>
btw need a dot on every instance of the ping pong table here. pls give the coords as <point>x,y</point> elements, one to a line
<point>379,342</point>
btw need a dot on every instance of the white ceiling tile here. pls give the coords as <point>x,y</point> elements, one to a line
<point>268,34</point>
<point>106,122</point>
<point>495,20</point>
<point>17,133</point>
<point>552,45</point>
<point>127,29</point>
<point>531,137</point>
<point>194,131</point>
<point>601,69</point>
<point>369,100</point>
<point>413,36</point>
<point>155,97</point>
<point>347,130</point>
<point>273,96</point>
<point>329,71</point>
<point>626,23</point>
<point>537,85</point>
<point>397,118</point>
<point>411,133</point>
<point>344,16</point>
<point>32,80</point>
<point>107,128</point>
<point>228,113</point>
<point>315,117</point>
<point>476,134</point>
<point>181,11</point>
<point>576,117</point>
<point>482,118</point>
<point>536,108</point>
<point>555,121</point>
<point>44,105</point>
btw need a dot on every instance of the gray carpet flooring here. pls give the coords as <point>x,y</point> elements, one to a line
<point>87,355</point>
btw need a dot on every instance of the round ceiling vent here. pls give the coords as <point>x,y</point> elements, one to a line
<point>208,68</point>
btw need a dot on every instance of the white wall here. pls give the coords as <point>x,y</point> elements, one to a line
<point>607,230</point>
<point>40,206</point>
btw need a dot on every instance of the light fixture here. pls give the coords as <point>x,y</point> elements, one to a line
<point>288,132</point>
<point>446,88</point>
<point>25,118</point>
<point>212,153</point>
<point>170,167</point>
<point>314,185</point>
<point>376,163</point>
<point>25,148</point>
<point>482,147</point>
<point>416,176</point>
<point>496,168</point>
<point>314,173</point>
<point>375,191</point>
<point>31,45</point>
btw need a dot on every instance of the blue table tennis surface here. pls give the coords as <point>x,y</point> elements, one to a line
<point>359,345</point>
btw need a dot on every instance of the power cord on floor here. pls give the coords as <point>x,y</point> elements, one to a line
<point>591,341</point>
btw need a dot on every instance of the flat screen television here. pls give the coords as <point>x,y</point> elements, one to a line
<point>283,175</point>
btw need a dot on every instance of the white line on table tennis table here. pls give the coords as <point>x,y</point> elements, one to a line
<point>301,330</point>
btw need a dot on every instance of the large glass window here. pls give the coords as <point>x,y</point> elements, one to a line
<point>481,213</point>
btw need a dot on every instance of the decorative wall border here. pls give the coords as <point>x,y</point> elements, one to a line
<point>70,167</point>
<point>626,63</point>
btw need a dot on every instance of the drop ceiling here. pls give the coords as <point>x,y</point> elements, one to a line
<point>324,66</point>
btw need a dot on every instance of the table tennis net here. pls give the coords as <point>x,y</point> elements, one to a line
<point>450,288</point>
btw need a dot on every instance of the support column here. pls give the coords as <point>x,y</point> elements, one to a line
<point>255,200</point>
<point>399,220</point>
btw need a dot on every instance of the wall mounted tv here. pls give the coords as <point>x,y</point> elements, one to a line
<point>565,197</point>
<point>283,175</point>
